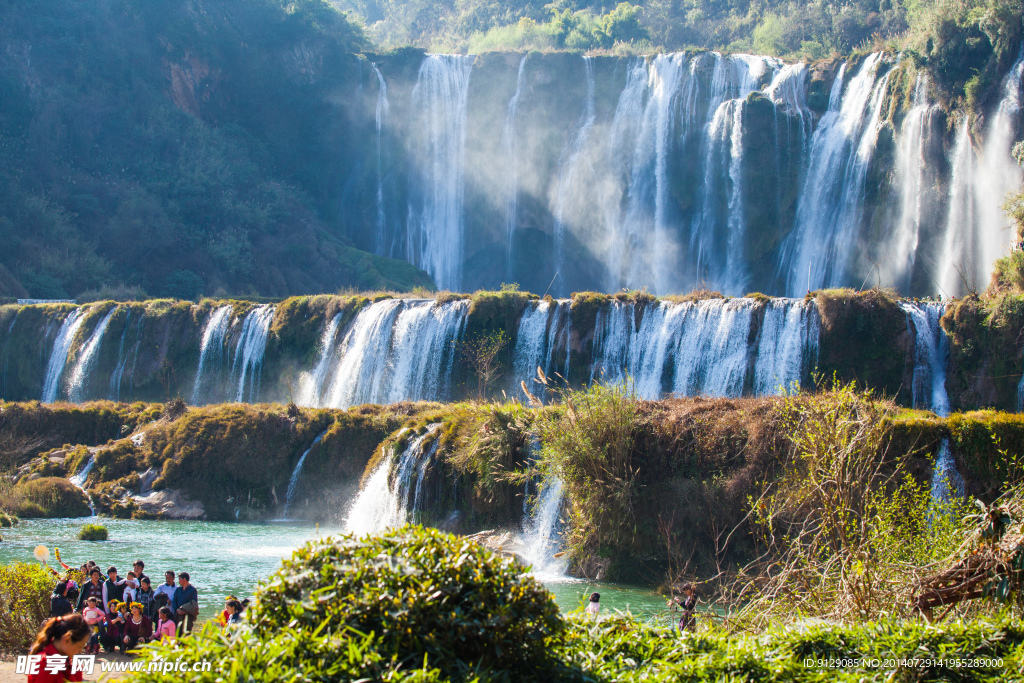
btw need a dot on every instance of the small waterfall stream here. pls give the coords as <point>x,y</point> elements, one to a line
<point>59,355</point>
<point>213,341</point>
<point>252,343</point>
<point>931,349</point>
<point>80,372</point>
<point>380,119</point>
<point>541,538</point>
<point>381,504</point>
<point>293,483</point>
<point>311,384</point>
<point>78,479</point>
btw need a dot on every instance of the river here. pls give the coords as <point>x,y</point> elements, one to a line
<point>228,558</point>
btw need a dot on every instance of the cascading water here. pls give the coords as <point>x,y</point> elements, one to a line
<point>787,345</point>
<point>122,360</point>
<point>434,236</point>
<point>293,483</point>
<point>946,480</point>
<point>512,160</point>
<point>311,384</point>
<point>211,351</point>
<point>956,263</point>
<point>541,540</point>
<point>997,174</point>
<point>380,118</point>
<point>80,371</point>
<point>59,355</point>
<point>818,251</point>
<point>931,349</point>
<point>252,343</point>
<point>381,504</point>
<point>78,479</point>
<point>397,350</point>
<point>915,180</point>
<point>571,168</point>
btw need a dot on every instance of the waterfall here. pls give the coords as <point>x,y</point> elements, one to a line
<point>956,270</point>
<point>381,504</point>
<point>540,539</point>
<point>78,479</point>
<point>311,384</point>
<point>531,338</point>
<point>914,179</point>
<point>294,481</point>
<point>435,233</point>
<point>931,349</point>
<point>86,357</point>
<point>571,165</point>
<point>734,279</point>
<point>946,480</point>
<point>508,136</point>
<point>252,342</point>
<point>213,338</point>
<point>380,119</point>
<point>830,204</point>
<point>787,344</point>
<point>998,174</point>
<point>59,354</point>
<point>397,350</point>
<point>692,348</point>
<point>122,360</point>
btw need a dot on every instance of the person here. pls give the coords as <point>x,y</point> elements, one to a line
<point>594,605</point>
<point>146,597</point>
<point>116,617</point>
<point>234,612</point>
<point>164,626</point>
<point>92,588</point>
<point>165,591</point>
<point>96,620</point>
<point>687,620</point>
<point>113,587</point>
<point>137,568</point>
<point>185,603</point>
<point>60,637</point>
<point>223,618</point>
<point>137,629</point>
<point>131,585</point>
<point>59,603</point>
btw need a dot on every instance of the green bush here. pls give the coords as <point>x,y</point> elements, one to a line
<point>24,603</point>
<point>51,497</point>
<point>375,607</point>
<point>92,532</point>
<point>7,520</point>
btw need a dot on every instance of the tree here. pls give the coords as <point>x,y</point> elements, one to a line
<point>482,353</point>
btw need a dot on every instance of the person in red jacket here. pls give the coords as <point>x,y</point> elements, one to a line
<point>61,638</point>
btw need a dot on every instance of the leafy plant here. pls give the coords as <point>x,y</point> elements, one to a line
<point>24,603</point>
<point>92,532</point>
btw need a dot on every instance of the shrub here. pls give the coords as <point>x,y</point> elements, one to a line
<point>24,603</point>
<point>378,607</point>
<point>92,532</point>
<point>51,497</point>
<point>7,520</point>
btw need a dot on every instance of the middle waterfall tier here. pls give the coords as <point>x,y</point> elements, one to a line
<point>338,352</point>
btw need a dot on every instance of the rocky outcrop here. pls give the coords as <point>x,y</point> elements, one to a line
<point>168,504</point>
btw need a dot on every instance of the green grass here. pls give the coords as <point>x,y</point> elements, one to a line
<point>92,532</point>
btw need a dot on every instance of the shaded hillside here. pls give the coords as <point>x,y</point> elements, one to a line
<point>180,148</point>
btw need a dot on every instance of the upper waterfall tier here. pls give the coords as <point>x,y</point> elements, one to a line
<point>739,172</point>
<point>343,351</point>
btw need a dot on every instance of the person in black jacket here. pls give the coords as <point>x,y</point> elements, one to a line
<point>59,604</point>
<point>93,587</point>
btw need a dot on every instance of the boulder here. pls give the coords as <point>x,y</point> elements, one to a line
<point>169,504</point>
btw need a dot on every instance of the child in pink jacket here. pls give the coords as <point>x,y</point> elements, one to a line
<point>165,626</point>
